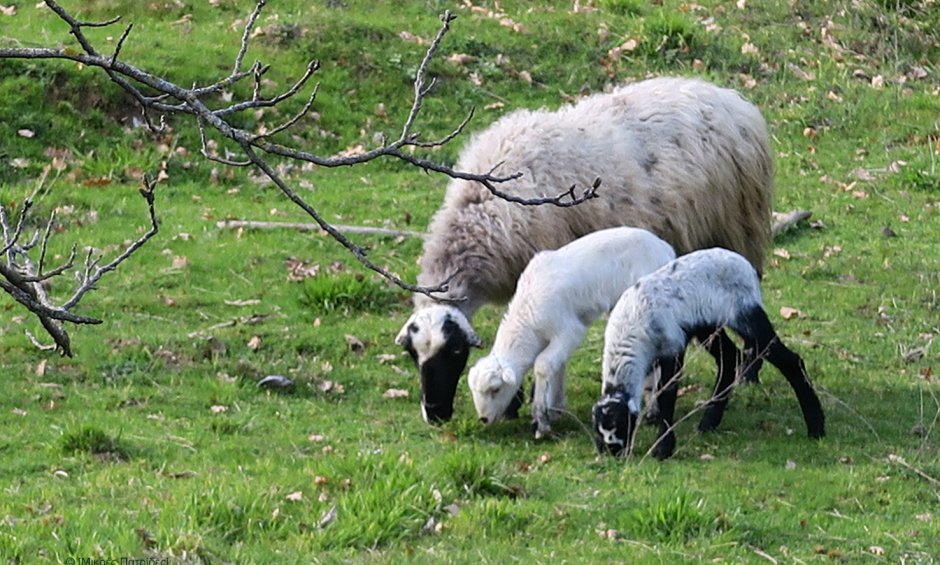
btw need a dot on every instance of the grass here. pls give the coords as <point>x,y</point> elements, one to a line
<point>155,440</point>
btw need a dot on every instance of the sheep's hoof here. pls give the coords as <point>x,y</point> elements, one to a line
<point>665,448</point>
<point>542,430</point>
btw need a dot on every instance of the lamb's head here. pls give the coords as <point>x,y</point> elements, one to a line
<point>438,338</point>
<point>495,389</point>
<point>614,424</point>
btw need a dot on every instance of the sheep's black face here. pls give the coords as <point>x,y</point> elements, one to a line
<point>438,338</point>
<point>613,425</point>
<point>440,374</point>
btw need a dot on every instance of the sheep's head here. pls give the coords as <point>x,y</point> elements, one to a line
<point>438,338</point>
<point>614,424</point>
<point>495,389</point>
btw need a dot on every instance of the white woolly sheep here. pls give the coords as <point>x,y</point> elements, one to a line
<point>652,323</point>
<point>560,293</point>
<point>680,157</point>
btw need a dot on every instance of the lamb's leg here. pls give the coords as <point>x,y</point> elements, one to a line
<point>665,401</point>
<point>726,353</point>
<point>650,415</point>
<point>790,364</point>
<point>549,372</point>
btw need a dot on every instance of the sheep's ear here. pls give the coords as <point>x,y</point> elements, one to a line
<point>403,339</point>
<point>509,376</point>
<point>457,318</point>
<point>472,338</point>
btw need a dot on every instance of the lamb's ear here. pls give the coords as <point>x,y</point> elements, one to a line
<point>509,376</point>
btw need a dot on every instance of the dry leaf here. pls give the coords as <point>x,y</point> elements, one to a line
<point>27,133</point>
<point>254,343</point>
<point>790,464</point>
<point>460,59</point>
<point>295,496</point>
<point>800,73</point>
<point>395,393</point>
<point>180,262</point>
<point>354,343</point>
<point>316,438</point>
<point>782,253</point>
<point>328,518</point>
<point>298,270</point>
<point>786,313</point>
<point>41,368</point>
<point>218,408</point>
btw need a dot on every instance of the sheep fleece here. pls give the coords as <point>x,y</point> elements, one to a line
<point>680,157</point>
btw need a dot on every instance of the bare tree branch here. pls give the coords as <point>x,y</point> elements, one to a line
<point>165,96</point>
<point>23,279</point>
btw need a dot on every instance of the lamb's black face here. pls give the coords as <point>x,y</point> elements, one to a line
<point>613,425</point>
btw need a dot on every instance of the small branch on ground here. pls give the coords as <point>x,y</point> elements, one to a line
<point>784,221</point>
<point>299,226</point>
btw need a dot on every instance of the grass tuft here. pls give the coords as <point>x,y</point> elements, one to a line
<point>94,441</point>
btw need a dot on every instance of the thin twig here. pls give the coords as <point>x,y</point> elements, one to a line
<point>897,459</point>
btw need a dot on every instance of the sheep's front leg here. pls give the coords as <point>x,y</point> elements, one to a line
<point>548,398</point>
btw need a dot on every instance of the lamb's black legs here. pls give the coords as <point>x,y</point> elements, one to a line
<point>726,356</point>
<point>665,397</point>
<point>757,327</point>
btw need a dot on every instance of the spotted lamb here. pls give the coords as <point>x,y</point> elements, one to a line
<point>652,323</point>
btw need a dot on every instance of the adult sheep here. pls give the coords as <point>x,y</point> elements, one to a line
<point>680,157</point>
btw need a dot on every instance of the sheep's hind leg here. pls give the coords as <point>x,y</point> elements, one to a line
<point>549,396</point>
<point>791,365</point>
<point>726,355</point>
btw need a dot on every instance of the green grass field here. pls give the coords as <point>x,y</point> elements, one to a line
<point>155,442</point>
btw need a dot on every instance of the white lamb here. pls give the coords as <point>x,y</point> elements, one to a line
<point>680,157</point>
<point>560,293</point>
<point>652,323</point>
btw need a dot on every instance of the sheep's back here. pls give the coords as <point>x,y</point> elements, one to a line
<point>682,158</point>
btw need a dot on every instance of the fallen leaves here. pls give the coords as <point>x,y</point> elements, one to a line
<point>786,312</point>
<point>395,393</point>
